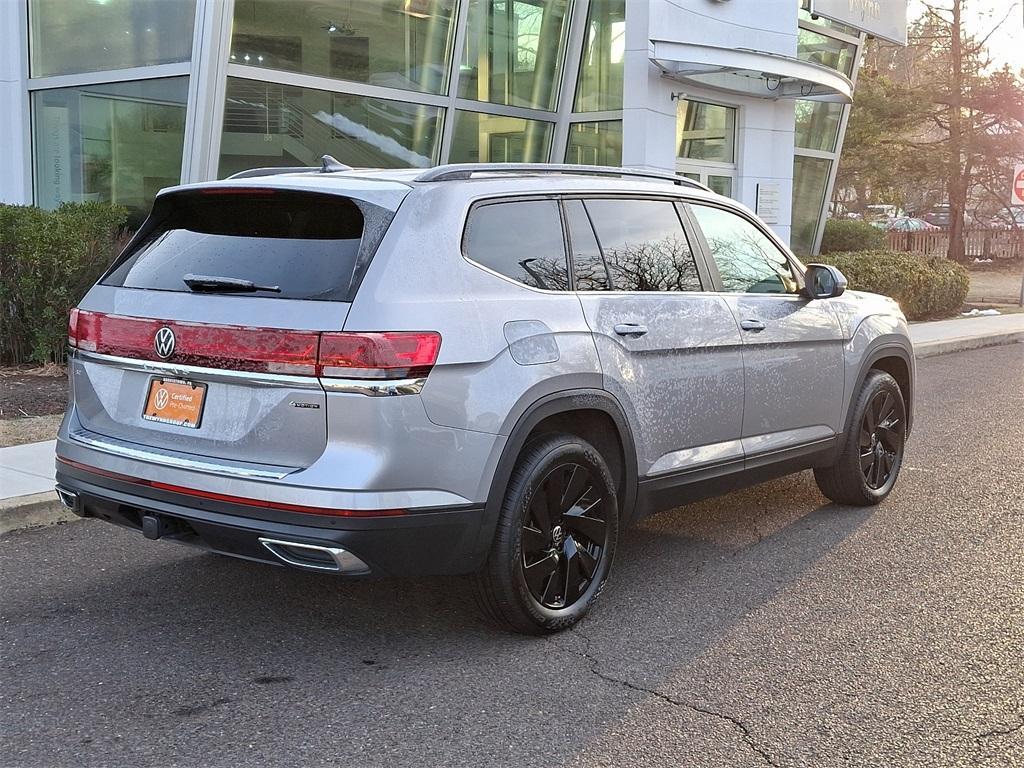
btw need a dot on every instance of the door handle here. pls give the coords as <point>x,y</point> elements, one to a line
<point>630,329</point>
<point>752,325</point>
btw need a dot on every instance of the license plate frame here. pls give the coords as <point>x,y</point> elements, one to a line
<point>177,408</point>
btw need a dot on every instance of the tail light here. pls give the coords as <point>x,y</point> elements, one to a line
<point>377,355</point>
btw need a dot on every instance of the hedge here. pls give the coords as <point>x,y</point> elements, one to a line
<point>925,287</point>
<point>845,235</point>
<point>48,260</point>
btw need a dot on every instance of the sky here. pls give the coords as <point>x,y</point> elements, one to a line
<point>1006,46</point>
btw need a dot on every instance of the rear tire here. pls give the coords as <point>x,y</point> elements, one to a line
<point>555,539</point>
<point>872,451</point>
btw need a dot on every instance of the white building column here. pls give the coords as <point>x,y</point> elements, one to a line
<point>15,123</point>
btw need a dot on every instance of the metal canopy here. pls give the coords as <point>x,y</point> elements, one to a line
<point>750,73</point>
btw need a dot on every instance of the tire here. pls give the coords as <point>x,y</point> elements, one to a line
<point>872,451</point>
<point>544,575</point>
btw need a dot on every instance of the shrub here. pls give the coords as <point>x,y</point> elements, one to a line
<point>48,260</point>
<point>925,287</point>
<point>845,235</point>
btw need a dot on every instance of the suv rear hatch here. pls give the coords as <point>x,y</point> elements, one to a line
<point>246,280</point>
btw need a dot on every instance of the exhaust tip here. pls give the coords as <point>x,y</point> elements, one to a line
<point>69,499</point>
<point>314,557</point>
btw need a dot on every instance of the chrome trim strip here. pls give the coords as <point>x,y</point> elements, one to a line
<point>127,451</point>
<point>198,372</point>
<point>374,387</point>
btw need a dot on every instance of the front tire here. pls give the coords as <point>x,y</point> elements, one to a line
<point>872,451</point>
<point>555,540</point>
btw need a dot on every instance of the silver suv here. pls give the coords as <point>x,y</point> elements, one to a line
<point>474,369</point>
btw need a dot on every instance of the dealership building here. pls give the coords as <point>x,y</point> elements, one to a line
<point>112,100</point>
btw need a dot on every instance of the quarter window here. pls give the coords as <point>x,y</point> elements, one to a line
<point>644,245</point>
<point>521,240</point>
<point>747,259</point>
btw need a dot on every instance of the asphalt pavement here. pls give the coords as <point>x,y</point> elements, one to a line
<point>767,627</point>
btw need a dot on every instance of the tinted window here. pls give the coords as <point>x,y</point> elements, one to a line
<point>748,261</point>
<point>521,240</point>
<point>644,245</point>
<point>305,244</point>
<point>586,254</point>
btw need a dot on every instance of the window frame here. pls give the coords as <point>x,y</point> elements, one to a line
<point>795,265</point>
<point>696,247</point>
<point>527,198</point>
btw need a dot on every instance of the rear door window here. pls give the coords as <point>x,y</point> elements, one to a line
<point>587,263</point>
<point>644,245</point>
<point>520,239</point>
<point>305,245</point>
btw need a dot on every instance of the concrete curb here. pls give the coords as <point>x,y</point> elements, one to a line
<point>41,509</point>
<point>964,343</point>
<point>32,511</point>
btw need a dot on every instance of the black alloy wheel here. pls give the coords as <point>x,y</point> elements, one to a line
<point>881,439</point>
<point>564,536</point>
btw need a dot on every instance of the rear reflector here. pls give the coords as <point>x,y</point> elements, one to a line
<point>231,499</point>
<point>378,355</point>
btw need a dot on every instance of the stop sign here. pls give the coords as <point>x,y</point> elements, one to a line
<point>1017,191</point>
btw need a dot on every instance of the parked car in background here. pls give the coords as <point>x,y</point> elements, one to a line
<point>938,216</point>
<point>1008,219</point>
<point>880,215</point>
<point>473,369</point>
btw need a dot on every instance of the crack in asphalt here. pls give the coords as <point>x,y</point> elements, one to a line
<point>995,732</point>
<point>748,738</point>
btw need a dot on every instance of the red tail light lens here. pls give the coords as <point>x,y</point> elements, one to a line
<point>387,355</point>
<point>384,355</point>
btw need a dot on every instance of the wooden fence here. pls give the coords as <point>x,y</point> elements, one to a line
<point>978,243</point>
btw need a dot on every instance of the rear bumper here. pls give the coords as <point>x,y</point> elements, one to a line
<point>436,541</point>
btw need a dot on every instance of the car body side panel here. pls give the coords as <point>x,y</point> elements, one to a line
<point>477,383</point>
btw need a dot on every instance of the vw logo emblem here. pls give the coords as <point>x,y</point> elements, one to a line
<point>162,399</point>
<point>163,342</point>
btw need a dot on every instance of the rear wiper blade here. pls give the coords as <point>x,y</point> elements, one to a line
<point>213,284</point>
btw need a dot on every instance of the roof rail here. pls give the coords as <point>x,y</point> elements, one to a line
<point>456,171</point>
<point>328,164</point>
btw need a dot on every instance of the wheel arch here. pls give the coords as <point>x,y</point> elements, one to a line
<point>594,415</point>
<point>892,358</point>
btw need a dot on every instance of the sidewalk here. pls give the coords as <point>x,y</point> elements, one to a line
<point>27,471</point>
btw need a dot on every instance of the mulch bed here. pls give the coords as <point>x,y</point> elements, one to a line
<point>32,391</point>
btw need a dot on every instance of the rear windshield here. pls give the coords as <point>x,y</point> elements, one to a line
<point>306,245</point>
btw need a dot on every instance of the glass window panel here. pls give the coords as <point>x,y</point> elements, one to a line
<point>810,179</point>
<point>119,143</point>
<point>69,37</point>
<point>513,52</point>
<point>721,184</point>
<point>747,259</point>
<point>278,125</point>
<point>588,264</point>
<point>828,51</point>
<point>402,44</point>
<point>521,240</point>
<point>644,245</point>
<point>480,138</point>
<point>604,49</point>
<point>705,131</point>
<point>688,175</point>
<point>595,143</point>
<point>817,124</point>
<point>821,21</point>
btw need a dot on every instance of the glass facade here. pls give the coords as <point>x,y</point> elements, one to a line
<point>267,124</point>
<point>118,143</point>
<point>513,52</point>
<point>705,132</point>
<point>482,138</point>
<point>595,143</point>
<point>817,124</point>
<point>810,181</point>
<point>69,37</point>
<point>828,51</point>
<point>604,50</point>
<point>403,45</point>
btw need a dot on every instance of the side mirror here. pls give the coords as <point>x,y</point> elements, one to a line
<point>823,282</point>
